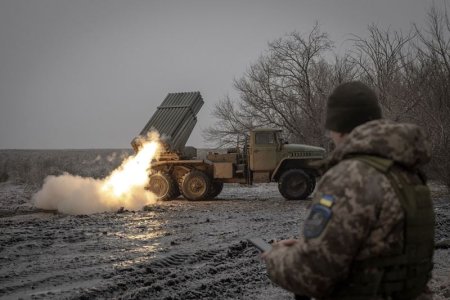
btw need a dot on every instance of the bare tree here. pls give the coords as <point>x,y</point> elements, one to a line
<point>230,125</point>
<point>382,59</point>
<point>433,65</point>
<point>286,88</point>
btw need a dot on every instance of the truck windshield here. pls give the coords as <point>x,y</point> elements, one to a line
<point>264,138</point>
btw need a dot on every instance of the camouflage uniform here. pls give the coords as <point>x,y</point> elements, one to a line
<point>366,218</point>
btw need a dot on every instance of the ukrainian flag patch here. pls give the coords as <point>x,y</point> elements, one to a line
<point>327,201</point>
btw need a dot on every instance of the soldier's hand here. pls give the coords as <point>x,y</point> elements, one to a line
<point>287,243</point>
<point>282,243</point>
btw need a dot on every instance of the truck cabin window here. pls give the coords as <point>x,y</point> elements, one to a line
<point>264,138</point>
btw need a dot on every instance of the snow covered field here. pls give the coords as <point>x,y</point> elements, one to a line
<point>173,250</point>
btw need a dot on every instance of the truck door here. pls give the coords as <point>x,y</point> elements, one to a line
<point>263,151</point>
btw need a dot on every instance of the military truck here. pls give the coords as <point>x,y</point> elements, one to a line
<point>262,157</point>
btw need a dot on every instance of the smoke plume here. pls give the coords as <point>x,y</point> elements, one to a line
<point>124,187</point>
<point>77,195</point>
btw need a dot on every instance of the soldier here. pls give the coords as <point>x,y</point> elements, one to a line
<point>370,230</point>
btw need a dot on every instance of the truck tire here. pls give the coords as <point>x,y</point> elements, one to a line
<point>216,189</point>
<point>163,186</point>
<point>312,183</point>
<point>295,184</point>
<point>196,185</point>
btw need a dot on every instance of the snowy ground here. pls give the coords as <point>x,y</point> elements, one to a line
<point>174,250</point>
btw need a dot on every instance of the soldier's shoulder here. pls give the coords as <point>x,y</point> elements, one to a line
<point>350,169</point>
<point>354,175</point>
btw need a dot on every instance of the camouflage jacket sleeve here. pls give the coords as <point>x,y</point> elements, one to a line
<point>352,193</point>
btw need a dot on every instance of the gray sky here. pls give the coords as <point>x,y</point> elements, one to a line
<point>90,73</point>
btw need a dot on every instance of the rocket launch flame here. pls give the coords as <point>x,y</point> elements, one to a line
<point>124,187</point>
<point>132,173</point>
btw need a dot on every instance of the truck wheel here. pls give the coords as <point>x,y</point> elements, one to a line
<point>311,184</point>
<point>216,189</point>
<point>196,185</point>
<point>294,184</point>
<point>163,186</point>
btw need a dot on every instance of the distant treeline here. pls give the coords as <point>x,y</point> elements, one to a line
<point>31,167</point>
<point>288,86</point>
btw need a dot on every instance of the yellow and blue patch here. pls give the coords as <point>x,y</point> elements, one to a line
<point>318,217</point>
<point>327,201</point>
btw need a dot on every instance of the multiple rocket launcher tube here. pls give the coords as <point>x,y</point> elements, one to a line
<point>174,120</point>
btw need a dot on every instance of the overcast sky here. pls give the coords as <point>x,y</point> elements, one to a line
<point>90,73</point>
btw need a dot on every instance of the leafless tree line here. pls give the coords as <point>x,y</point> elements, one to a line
<point>288,86</point>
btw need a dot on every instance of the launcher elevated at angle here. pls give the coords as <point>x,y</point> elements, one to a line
<point>263,157</point>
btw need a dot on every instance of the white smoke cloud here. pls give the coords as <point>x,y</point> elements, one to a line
<point>124,187</point>
<point>77,195</point>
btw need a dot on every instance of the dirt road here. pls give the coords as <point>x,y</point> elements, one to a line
<point>175,250</point>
